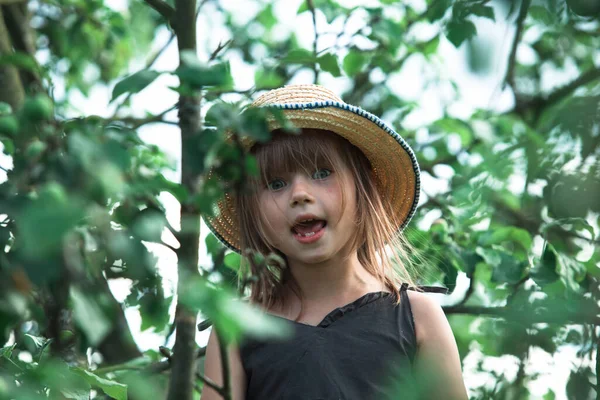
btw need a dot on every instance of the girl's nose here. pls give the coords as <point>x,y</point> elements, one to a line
<point>300,193</point>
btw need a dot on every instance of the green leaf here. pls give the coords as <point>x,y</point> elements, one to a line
<point>299,56</point>
<point>354,62</point>
<point>233,260</point>
<point>197,76</point>
<point>510,270</point>
<point>5,109</point>
<point>437,9</point>
<point>232,317</point>
<point>266,17</point>
<point>7,351</point>
<point>213,245</point>
<point>89,317</point>
<point>431,46</point>
<point>329,63</point>
<point>484,11</point>
<point>134,83</point>
<point>459,31</point>
<point>44,222</point>
<point>541,14</point>
<point>511,234</point>
<point>21,61</point>
<point>267,79</point>
<point>149,225</point>
<point>546,270</point>
<point>114,389</point>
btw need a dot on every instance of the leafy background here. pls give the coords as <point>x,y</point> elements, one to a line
<point>111,114</point>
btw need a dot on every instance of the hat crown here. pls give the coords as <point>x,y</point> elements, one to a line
<point>296,94</point>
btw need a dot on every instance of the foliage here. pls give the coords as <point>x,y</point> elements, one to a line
<point>516,220</point>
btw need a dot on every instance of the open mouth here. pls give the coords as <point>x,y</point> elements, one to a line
<point>308,228</point>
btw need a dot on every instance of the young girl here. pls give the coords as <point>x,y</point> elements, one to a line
<point>331,201</point>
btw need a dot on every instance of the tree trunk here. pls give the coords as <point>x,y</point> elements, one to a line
<point>183,372</point>
<point>11,91</point>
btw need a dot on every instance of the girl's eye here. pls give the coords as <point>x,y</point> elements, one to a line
<point>321,173</point>
<point>276,184</point>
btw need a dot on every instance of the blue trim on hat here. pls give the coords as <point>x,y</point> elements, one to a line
<point>365,114</point>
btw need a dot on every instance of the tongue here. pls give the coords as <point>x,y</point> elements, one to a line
<point>309,227</point>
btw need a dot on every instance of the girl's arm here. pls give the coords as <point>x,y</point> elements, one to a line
<point>437,363</point>
<point>212,370</point>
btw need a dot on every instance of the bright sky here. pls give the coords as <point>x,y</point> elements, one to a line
<point>476,92</point>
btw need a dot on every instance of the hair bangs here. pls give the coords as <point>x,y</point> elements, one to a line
<point>288,153</point>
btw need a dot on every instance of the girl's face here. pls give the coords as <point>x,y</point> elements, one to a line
<point>303,216</point>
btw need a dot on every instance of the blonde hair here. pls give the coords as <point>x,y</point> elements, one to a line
<point>381,249</point>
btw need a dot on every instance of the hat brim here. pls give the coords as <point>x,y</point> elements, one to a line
<point>395,166</point>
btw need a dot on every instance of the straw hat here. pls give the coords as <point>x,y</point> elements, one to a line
<point>394,164</point>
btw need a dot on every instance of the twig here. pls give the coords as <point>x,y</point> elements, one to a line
<point>200,5</point>
<point>311,7</point>
<point>515,315</point>
<point>208,382</point>
<point>3,169</point>
<point>219,48</point>
<point>510,70</point>
<point>162,8</point>
<point>469,291</point>
<point>564,91</point>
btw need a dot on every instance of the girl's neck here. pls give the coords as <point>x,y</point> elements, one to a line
<point>341,279</point>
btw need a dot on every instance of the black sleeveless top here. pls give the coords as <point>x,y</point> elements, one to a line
<point>354,353</point>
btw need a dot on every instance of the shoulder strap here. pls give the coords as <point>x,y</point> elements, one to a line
<point>427,289</point>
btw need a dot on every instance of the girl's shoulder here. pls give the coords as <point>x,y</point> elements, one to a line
<point>428,316</point>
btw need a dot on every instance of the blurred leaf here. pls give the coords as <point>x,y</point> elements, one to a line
<point>329,63</point>
<point>46,220</point>
<point>459,31</point>
<point>232,317</point>
<point>266,17</point>
<point>299,56</point>
<point>233,260</point>
<point>578,385</point>
<point>267,79</point>
<point>149,225</point>
<point>546,270</point>
<point>437,9</point>
<point>509,270</point>
<point>134,83</point>
<point>89,317</point>
<point>541,14</point>
<point>354,62</point>
<point>113,389</point>
<point>21,61</point>
<point>512,234</point>
<point>197,76</point>
<point>482,10</point>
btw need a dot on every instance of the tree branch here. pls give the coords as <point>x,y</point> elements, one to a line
<point>162,8</point>
<point>208,382</point>
<point>559,94</point>
<point>182,382</point>
<point>512,59</point>
<point>12,91</point>
<point>511,314</point>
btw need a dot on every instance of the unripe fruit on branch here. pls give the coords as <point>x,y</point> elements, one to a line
<point>38,108</point>
<point>34,149</point>
<point>9,126</point>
